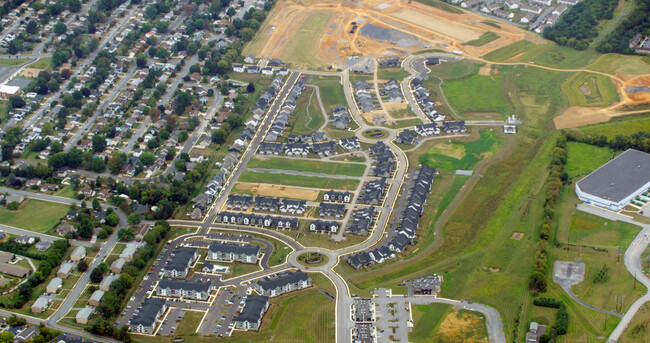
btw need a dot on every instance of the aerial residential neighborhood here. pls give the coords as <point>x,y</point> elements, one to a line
<point>324,171</point>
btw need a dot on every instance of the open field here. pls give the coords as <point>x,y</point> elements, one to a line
<point>461,94</point>
<point>42,63</point>
<point>190,323</point>
<point>275,191</point>
<point>584,158</point>
<point>391,73</point>
<point>625,126</point>
<point>426,319</point>
<point>461,327</point>
<point>586,89</point>
<point>304,316</point>
<point>639,328</point>
<point>298,180</point>
<point>49,214</point>
<point>452,70</point>
<point>331,91</point>
<point>484,39</point>
<point>548,54</point>
<point>462,155</point>
<point>313,166</point>
<point>621,64</point>
<point>308,116</point>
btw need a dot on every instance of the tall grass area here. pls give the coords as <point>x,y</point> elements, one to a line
<point>585,158</point>
<point>625,126</point>
<point>548,54</point>
<point>301,49</point>
<point>426,319</point>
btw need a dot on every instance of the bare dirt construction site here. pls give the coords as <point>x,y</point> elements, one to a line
<point>278,191</point>
<point>317,34</point>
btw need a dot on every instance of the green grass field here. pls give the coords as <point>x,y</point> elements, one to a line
<point>34,215</point>
<point>485,38</point>
<point>638,330</point>
<point>314,166</point>
<point>625,126</point>
<point>461,155</point>
<point>331,91</point>
<point>42,63</point>
<point>584,158</point>
<point>391,73</point>
<point>462,95</point>
<point>588,229</point>
<point>190,323</point>
<point>12,61</point>
<point>590,90</point>
<point>456,69</point>
<point>625,64</point>
<point>426,319</point>
<point>548,54</point>
<point>298,180</point>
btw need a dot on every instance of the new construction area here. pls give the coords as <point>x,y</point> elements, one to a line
<point>623,181</point>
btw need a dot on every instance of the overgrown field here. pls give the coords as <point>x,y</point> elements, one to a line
<point>585,158</point>
<point>590,90</point>
<point>48,215</point>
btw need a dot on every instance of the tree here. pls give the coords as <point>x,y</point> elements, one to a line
<point>250,88</point>
<point>82,266</point>
<point>13,205</point>
<point>60,28</point>
<point>99,143</point>
<point>6,337</point>
<point>96,275</point>
<point>231,11</point>
<point>96,205</point>
<point>16,101</point>
<point>246,34</point>
<point>112,219</point>
<point>127,234</point>
<point>32,27</point>
<point>219,136</point>
<point>147,158</point>
<point>134,218</point>
<point>98,164</point>
<point>141,60</point>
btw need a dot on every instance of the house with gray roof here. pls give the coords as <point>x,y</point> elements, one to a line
<point>41,304</point>
<point>96,298</point>
<point>83,316</point>
<point>105,285</point>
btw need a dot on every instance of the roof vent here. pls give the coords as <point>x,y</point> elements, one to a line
<point>611,184</point>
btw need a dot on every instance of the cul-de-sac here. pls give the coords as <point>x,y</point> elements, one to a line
<point>325,171</point>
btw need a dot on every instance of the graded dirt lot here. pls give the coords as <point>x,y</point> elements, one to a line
<point>30,72</point>
<point>462,327</point>
<point>319,33</point>
<point>278,191</point>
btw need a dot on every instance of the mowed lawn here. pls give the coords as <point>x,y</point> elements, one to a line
<point>477,93</point>
<point>620,126</point>
<point>331,91</point>
<point>549,54</point>
<point>588,229</point>
<point>34,215</point>
<point>461,155</point>
<point>426,319</point>
<point>298,181</point>
<point>313,166</point>
<point>583,158</point>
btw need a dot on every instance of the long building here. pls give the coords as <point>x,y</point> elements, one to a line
<point>283,283</point>
<point>617,182</point>
<point>184,289</point>
<point>245,253</point>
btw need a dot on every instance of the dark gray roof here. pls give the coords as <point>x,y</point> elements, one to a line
<point>147,315</point>
<point>253,309</point>
<point>246,249</point>
<point>186,285</point>
<point>618,178</point>
<point>284,279</point>
<point>181,259</point>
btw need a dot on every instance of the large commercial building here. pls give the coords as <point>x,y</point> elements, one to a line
<point>617,182</point>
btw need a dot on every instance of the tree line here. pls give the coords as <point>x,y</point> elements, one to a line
<point>579,25</point>
<point>638,141</point>
<point>637,22</point>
